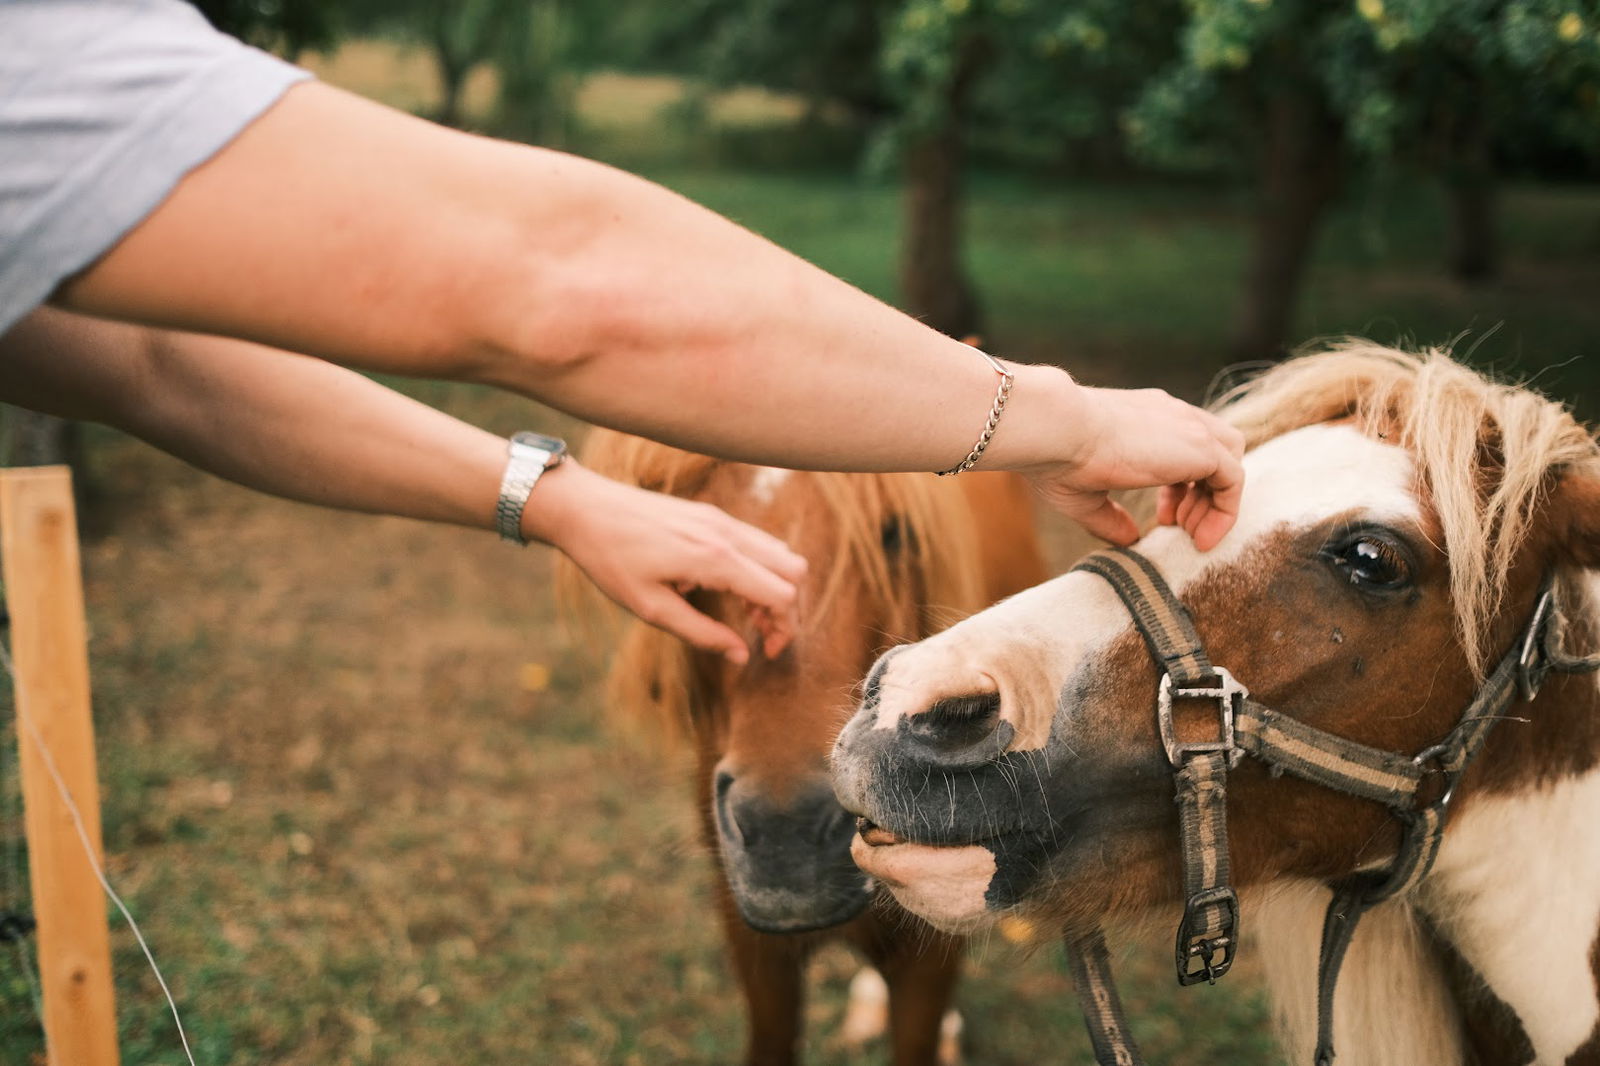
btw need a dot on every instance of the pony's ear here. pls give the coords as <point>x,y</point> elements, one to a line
<point>1576,508</point>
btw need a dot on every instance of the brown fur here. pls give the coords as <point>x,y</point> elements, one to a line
<point>962,543</point>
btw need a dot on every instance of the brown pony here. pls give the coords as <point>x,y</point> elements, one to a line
<point>893,558</point>
<point>1402,520</point>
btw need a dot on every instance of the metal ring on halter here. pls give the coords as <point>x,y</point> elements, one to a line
<point>1533,665</point>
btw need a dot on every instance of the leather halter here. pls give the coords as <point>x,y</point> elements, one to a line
<point>1208,933</point>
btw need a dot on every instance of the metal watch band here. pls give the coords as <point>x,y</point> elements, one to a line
<point>528,456</point>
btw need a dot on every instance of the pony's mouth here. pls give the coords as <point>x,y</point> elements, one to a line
<point>946,884</point>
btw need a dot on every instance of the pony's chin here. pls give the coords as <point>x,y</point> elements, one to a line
<point>945,886</point>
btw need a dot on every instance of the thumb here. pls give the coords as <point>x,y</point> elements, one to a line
<point>1111,521</point>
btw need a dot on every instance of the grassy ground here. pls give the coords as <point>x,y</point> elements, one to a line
<point>357,784</point>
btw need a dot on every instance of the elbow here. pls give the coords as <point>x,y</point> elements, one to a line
<point>529,333</point>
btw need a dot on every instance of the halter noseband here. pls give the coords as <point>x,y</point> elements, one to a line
<point>1208,933</point>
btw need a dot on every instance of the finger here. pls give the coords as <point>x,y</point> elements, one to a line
<point>1198,512</point>
<point>776,631</point>
<point>733,571</point>
<point>1167,504</point>
<point>1110,521</point>
<point>673,614</point>
<point>1209,532</point>
<point>1226,487</point>
<point>767,550</point>
<point>1186,506</point>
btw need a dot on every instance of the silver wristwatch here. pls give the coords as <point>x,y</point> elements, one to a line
<point>528,457</point>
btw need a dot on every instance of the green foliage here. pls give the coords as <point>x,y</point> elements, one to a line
<point>825,51</point>
<point>1397,74</point>
<point>286,26</point>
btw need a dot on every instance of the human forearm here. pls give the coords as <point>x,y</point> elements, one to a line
<point>306,430</point>
<point>285,424</point>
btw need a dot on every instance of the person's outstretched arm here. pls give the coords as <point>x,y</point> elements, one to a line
<point>341,228</point>
<point>307,430</point>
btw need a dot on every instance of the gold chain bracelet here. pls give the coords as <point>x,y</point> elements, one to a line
<point>1007,378</point>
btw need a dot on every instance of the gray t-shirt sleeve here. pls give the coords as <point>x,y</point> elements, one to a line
<point>104,106</point>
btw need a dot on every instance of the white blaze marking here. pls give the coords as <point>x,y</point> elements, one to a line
<point>1294,482</point>
<point>766,482</point>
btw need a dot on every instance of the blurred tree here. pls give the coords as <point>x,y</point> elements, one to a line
<point>1451,83</point>
<point>1250,84</point>
<point>287,27</point>
<point>826,51</point>
<point>543,49</point>
<point>933,56</point>
<point>903,70</point>
<point>461,35</point>
<point>1305,89</point>
<point>458,34</point>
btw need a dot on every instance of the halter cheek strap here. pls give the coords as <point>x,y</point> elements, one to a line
<point>1208,933</point>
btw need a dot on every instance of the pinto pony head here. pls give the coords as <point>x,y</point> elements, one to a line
<point>892,558</point>
<point>1400,513</point>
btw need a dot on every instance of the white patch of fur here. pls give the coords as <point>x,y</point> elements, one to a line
<point>765,483</point>
<point>1517,890</point>
<point>1391,1008</point>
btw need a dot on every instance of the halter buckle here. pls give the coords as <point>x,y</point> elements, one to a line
<point>1229,695</point>
<point>1193,947</point>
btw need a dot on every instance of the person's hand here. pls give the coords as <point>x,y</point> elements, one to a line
<point>646,550</point>
<point>1142,438</point>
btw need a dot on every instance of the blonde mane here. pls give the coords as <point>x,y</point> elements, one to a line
<point>934,580</point>
<point>1487,453</point>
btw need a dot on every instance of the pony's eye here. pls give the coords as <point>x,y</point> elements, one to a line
<point>1371,562</point>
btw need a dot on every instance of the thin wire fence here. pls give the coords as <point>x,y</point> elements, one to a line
<point>25,725</point>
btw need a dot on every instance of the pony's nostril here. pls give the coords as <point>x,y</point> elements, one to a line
<point>726,806</point>
<point>958,723</point>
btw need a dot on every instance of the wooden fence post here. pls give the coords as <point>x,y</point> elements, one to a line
<point>49,644</point>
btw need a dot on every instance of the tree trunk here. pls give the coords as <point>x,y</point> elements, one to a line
<point>933,280</point>
<point>1300,170</point>
<point>530,61</point>
<point>1470,185</point>
<point>452,78</point>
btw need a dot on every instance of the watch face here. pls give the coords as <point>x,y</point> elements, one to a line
<point>554,445</point>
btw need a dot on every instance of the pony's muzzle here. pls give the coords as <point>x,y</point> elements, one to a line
<point>788,862</point>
